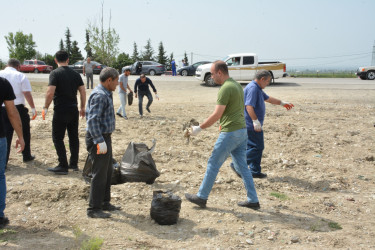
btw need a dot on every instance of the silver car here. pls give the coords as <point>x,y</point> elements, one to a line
<point>145,67</point>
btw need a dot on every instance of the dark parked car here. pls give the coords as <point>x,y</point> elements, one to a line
<point>145,67</point>
<point>190,70</point>
<point>78,66</point>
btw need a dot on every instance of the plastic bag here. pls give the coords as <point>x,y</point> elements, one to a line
<point>165,207</point>
<point>87,171</point>
<point>137,164</point>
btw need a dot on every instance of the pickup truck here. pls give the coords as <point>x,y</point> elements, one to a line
<point>242,67</point>
<point>35,66</point>
<point>366,73</point>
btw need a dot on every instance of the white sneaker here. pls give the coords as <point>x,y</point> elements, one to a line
<point>140,116</point>
<point>125,117</point>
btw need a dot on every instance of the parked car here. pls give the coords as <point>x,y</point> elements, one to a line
<point>190,70</point>
<point>35,66</point>
<point>366,73</point>
<point>78,66</point>
<point>147,67</point>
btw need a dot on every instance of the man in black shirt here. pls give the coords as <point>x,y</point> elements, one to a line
<point>62,88</point>
<point>144,90</point>
<point>7,97</point>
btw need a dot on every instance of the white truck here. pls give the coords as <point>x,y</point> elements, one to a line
<point>242,67</point>
<point>366,73</point>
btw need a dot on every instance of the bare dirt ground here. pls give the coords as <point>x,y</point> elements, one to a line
<point>319,194</point>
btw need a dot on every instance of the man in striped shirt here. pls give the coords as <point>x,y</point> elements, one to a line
<point>100,125</point>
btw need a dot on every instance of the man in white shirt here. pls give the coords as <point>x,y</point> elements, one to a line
<point>22,90</point>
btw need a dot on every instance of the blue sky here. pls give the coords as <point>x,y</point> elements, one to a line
<point>305,34</point>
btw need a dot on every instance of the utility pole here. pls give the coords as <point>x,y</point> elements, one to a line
<point>191,57</point>
<point>373,55</point>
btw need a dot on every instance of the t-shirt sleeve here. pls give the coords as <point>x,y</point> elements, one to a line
<point>52,79</point>
<point>25,84</point>
<point>265,96</point>
<point>80,81</point>
<point>223,96</point>
<point>251,97</point>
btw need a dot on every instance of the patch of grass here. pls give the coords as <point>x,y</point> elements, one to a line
<point>281,196</point>
<point>334,225</point>
<point>7,234</point>
<point>92,244</point>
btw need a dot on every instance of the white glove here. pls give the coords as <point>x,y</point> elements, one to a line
<point>286,105</point>
<point>44,113</point>
<point>257,125</point>
<point>33,111</point>
<point>156,96</point>
<point>195,130</point>
<point>101,148</point>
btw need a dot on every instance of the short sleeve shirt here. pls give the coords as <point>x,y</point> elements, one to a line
<point>123,80</point>
<point>19,83</point>
<point>255,97</point>
<point>88,67</point>
<point>67,82</point>
<point>231,95</point>
<point>6,94</point>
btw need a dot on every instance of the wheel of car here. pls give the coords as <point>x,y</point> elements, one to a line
<point>152,72</point>
<point>184,72</point>
<point>36,71</point>
<point>209,81</point>
<point>363,77</point>
<point>371,75</point>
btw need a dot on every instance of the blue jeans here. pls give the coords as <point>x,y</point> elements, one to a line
<point>123,104</point>
<point>255,146</point>
<point>3,187</point>
<point>234,144</point>
<point>140,100</point>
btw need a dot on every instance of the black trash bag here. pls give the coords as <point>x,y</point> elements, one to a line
<point>130,98</point>
<point>87,171</point>
<point>165,207</point>
<point>137,164</point>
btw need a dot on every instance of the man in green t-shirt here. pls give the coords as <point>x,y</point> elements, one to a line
<point>232,140</point>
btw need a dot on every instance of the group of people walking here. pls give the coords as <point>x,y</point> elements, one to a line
<point>241,115</point>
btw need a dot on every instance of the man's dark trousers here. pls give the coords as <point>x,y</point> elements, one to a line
<point>66,120</point>
<point>25,120</point>
<point>141,94</point>
<point>100,190</point>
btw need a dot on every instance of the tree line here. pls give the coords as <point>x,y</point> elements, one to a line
<point>101,45</point>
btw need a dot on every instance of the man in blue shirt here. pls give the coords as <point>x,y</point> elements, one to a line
<point>141,89</point>
<point>173,64</point>
<point>254,114</point>
<point>100,118</point>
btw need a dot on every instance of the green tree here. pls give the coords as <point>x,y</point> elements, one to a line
<point>76,53</point>
<point>61,46</point>
<point>186,59</point>
<point>49,60</point>
<point>147,55</point>
<point>88,46</point>
<point>20,46</point>
<point>169,63</point>
<point>135,56</point>
<point>122,60</point>
<point>68,42</point>
<point>104,43</point>
<point>162,58</point>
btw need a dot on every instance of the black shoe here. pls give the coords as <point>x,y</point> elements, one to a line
<point>110,207</point>
<point>234,170</point>
<point>119,114</point>
<point>98,214</point>
<point>73,167</point>
<point>30,158</point>
<point>260,175</point>
<point>193,198</point>
<point>148,109</point>
<point>247,204</point>
<point>3,221</point>
<point>59,170</point>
